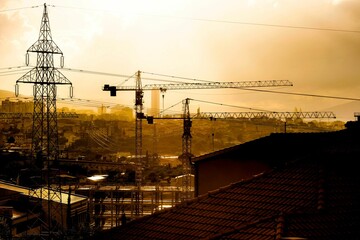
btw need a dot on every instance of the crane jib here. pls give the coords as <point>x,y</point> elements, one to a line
<point>202,85</point>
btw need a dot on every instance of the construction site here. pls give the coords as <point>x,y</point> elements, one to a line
<point>47,202</point>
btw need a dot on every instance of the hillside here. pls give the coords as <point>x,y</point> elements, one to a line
<point>6,94</point>
<point>345,112</point>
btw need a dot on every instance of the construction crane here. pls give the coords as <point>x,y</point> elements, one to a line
<point>139,115</point>
<point>263,115</point>
<point>45,148</point>
<point>187,136</point>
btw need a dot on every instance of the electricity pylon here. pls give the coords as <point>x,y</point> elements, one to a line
<point>45,147</point>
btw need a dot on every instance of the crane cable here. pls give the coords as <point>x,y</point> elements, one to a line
<point>171,76</point>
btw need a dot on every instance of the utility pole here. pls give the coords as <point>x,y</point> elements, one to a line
<point>45,146</point>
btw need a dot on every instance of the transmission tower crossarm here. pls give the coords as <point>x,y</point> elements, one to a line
<point>33,76</point>
<point>247,115</point>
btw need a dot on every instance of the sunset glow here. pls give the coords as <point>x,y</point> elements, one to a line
<point>209,40</point>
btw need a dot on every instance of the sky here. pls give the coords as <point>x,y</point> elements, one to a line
<point>313,44</point>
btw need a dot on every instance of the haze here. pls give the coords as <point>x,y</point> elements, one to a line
<point>209,40</point>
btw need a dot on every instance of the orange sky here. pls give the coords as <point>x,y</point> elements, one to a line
<point>176,38</point>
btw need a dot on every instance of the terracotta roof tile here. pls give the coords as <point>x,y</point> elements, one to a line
<point>251,209</point>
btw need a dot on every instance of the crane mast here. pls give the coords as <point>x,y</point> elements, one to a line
<point>139,115</point>
<point>187,124</point>
<point>186,152</point>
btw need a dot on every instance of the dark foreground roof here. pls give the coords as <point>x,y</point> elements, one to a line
<point>315,197</point>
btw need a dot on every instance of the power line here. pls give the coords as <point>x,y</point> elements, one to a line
<point>204,20</point>
<point>13,73</point>
<point>98,73</point>
<point>177,77</point>
<point>227,21</point>
<point>118,75</point>
<point>202,80</point>
<point>273,25</point>
<point>6,71</point>
<point>303,94</point>
<point>8,68</point>
<point>17,9</point>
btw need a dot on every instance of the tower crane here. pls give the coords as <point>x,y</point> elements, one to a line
<point>233,115</point>
<point>139,115</point>
<point>187,124</point>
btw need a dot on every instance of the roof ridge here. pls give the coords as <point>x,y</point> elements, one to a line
<point>264,138</point>
<point>224,150</point>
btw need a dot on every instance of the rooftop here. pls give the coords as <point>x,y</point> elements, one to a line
<point>42,193</point>
<point>316,195</point>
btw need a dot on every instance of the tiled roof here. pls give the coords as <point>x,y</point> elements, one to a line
<point>316,196</point>
<point>313,185</point>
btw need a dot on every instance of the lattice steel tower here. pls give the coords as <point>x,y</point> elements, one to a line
<point>45,77</point>
<point>45,148</point>
<point>139,94</point>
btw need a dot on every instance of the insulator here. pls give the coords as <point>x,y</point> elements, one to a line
<point>16,90</point>
<point>27,58</point>
<point>71,91</point>
<point>62,61</point>
<point>34,91</point>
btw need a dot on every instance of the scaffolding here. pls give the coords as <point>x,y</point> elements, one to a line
<point>112,206</point>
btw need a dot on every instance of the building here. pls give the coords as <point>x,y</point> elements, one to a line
<point>20,215</point>
<point>311,192</point>
<point>18,107</point>
<point>243,161</point>
<point>155,103</point>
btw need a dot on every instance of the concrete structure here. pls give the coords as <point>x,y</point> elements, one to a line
<point>155,103</point>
